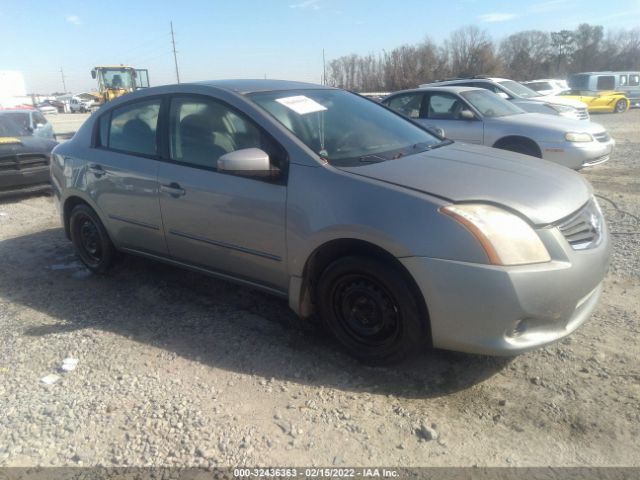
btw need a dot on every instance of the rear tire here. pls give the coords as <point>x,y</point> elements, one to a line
<point>621,106</point>
<point>90,239</point>
<point>369,308</point>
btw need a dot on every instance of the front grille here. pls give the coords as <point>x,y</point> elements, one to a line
<point>602,137</point>
<point>583,114</point>
<point>583,229</point>
<point>23,161</point>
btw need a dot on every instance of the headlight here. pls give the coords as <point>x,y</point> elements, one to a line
<point>562,108</point>
<point>578,137</point>
<point>505,237</point>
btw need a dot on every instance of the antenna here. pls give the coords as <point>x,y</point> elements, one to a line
<point>175,58</point>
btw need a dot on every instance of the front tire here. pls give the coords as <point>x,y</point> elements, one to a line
<point>369,308</point>
<point>621,106</point>
<point>90,239</point>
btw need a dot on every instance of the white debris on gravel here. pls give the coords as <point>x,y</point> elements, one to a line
<point>50,379</point>
<point>69,364</point>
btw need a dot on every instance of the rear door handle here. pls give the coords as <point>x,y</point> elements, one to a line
<point>173,189</point>
<point>97,170</point>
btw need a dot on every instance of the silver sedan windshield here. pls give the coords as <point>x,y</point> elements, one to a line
<point>344,128</point>
<point>491,105</point>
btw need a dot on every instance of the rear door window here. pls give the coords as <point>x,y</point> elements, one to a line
<point>133,128</point>
<point>408,104</point>
<point>634,80</point>
<point>606,82</point>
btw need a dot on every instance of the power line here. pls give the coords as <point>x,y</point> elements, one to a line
<point>175,58</point>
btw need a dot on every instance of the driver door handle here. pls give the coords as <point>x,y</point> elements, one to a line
<point>173,189</point>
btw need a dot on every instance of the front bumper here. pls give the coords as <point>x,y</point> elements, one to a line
<point>22,178</point>
<point>495,310</point>
<point>577,155</point>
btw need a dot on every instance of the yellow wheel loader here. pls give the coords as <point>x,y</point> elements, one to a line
<point>115,81</point>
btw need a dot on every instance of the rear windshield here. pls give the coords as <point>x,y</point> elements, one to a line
<point>343,128</point>
<point>518,89</point>
<point>537,86</point>
<point>491,105</point>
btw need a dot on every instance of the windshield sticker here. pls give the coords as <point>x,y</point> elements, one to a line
<point>301,104</point>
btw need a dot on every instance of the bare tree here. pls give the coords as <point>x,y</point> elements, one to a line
<point>527,55</point>
<point>472,51</point>
<point>588,44</point>
<point>564,44</point>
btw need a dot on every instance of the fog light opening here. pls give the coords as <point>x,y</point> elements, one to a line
<point>519,329</point>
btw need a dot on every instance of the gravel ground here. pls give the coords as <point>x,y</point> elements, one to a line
<point>178,369</point>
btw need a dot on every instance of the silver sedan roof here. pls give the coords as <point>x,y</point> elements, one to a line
<point>244,86</point>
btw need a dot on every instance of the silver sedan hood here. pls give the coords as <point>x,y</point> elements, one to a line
<point>541,121</point>
<point>542,191</point>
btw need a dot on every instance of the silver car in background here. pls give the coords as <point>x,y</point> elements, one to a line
<point>395,238</point>
<point>32,120</point>
<point>475,115</point>
<point>527,99</point>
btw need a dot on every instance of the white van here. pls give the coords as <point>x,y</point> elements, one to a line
<point>626,81</point>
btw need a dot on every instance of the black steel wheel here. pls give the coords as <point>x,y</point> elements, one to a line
<point>90,239</point>
<point>368,306</point>
<point>621,106</point>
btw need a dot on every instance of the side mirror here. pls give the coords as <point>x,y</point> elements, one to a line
<point>247,161</point>
<point>439,132</point>
<point>93,74</point>
<point>467,115</point>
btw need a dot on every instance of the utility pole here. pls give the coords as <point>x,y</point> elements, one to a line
<point>175,58</point>
<point>324,70</point>
<point>64,85</point>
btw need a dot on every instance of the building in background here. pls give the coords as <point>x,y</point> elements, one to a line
<point>13,91</point>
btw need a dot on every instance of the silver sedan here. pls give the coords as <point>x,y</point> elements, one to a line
<point>475,115</point>
<point>394,237</point>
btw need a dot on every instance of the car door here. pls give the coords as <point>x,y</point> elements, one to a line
<point>597,102</point>
<point>233,224</point>
<point>443,109</point>
<point>632,90</point>
<point>122,175</point>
